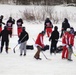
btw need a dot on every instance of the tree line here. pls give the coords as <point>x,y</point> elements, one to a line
<point>36,2</point>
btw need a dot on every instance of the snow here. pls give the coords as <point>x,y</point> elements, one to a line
<point>13,64</point>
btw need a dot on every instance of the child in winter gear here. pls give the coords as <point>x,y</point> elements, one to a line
<point>23,38</point>
<point>54,39</point>
<point>65,25</point>
<point>65,42</point>
<point>9,24</point>
<point>5,39</point>
<point>48,27</point>
<point>19,26</point>
<point>71,43</point>
<point>39,44</point>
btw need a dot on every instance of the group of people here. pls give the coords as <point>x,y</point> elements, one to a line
<point>67,35</point>
<point>7,31</point>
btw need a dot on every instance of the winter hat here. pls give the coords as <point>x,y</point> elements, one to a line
<point>71,30</point>
<point>55,28</point>
<point>68,30</point>
<point>43,32</point>
<point>23,28</point>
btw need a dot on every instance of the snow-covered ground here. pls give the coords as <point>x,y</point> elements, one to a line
<point>13,64</point>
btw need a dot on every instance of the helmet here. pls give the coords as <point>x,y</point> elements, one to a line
<point>68,30</point>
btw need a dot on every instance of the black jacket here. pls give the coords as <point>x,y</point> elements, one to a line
<point>23,36</point>
<point>5,35</point>
<point>54,36</point>
<point>65,24</point>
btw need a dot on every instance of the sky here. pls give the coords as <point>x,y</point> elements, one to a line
<point>14,64</point>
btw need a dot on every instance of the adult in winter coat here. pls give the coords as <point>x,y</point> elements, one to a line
<point>48,26</point>
<point>1,18</point>
<point>9,24</point>
<point>19,26</point>
<point>54,39</point>
<point>5,39</point>
<point>39,44</point>
<point>23,38</point>
<point>65,43</point>
<point>65,25</point>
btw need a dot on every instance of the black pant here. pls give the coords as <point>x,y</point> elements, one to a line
<point>6,45</point>
<point>53,46</point>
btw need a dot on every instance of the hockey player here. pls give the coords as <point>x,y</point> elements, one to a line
<point>71,43</point>
<point>54,39</point>
<point>65,42</point>
<point>39,44</point>
<point>23,38</point>
<point>48,27</point>
<point>19,26</point>
<point>65,25</point>
<point>1,18</point>
<point>9,24</point>
<point>5,39</point>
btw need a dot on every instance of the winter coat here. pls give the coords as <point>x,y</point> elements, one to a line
<point>54,36</point>
<point>5,35</point>
<point>65,38</point>
<point>39,40</point>
<point>19,22</point>
<point>23,36</point>
<point>71,39</point>
<point>65,25</point>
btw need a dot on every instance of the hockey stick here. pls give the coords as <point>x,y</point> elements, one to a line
<point>74,54</point>
<point>45,56</point>
<point>18,44</point>
<point>42,52</point>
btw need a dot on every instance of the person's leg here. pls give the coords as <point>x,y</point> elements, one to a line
<point>37,55</point>
<point>2,44</point>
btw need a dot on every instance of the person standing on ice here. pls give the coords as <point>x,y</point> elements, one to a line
<point>48,27</point>
<point>65,43</point>
<point>54,39</point>
<point>71,43</point>
<point>5,39</point>
<point>1,18</point>
<point>65,25</point>
<point>19,26</point>
<point>9,24</point>
<point>23,38</point>
<point>39,44</point>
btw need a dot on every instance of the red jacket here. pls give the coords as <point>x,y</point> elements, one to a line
<point>71,39</point>
<point>68,39</point>
<point>39,41</point>
<point>65,38</point>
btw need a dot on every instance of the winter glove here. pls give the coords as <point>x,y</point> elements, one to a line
<point>70,46</point>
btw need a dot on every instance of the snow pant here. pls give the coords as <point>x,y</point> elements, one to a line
<point>48,31</point>
<point>23,47</point>
<point>53,46</point>
<point>70,51</point>
<point>65,52</point>
<point>19,30</point>
<point>62,33</point>
<point>10,29</point>
<point>6,45</point>
<point>0,29</point>
<point>37,55</point>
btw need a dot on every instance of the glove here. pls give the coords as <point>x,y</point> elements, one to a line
<point>70,46</point>
<point>19,42</point>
